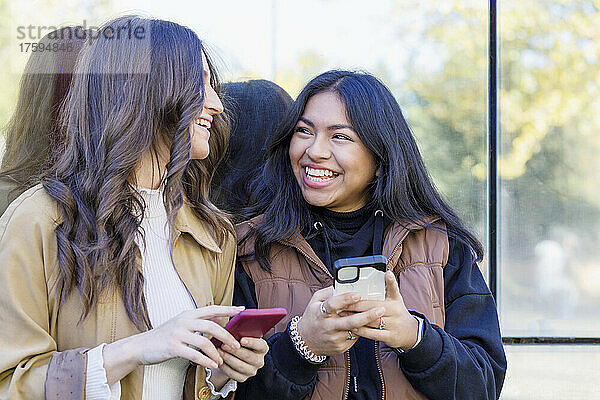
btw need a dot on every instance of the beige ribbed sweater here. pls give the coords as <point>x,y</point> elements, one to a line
<point>166,297</point>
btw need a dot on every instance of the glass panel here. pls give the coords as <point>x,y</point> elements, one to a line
<point>445,95</point>
<point>550,186</point>
<point>545,372</point>
<point>433,55</point>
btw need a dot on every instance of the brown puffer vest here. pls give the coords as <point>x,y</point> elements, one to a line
<point>417,257</point>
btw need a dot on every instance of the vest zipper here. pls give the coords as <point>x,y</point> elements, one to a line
<point>347,386</point>
<point>313,261</point>
<point>398,246</point>
<point>380,371</point>
<point>347,353</point>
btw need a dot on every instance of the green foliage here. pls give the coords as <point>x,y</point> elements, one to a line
<point>549,108</point>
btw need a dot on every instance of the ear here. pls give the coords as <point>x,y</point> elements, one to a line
<point>377,172</point>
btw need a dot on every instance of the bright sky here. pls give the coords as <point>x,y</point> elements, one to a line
<point>245,33</point>
<point>260,35</point>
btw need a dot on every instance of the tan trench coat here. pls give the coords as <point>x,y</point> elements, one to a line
<point>42,346</point>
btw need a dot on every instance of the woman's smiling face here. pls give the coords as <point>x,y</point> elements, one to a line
<point>199,128</point>
<point>331,164</point>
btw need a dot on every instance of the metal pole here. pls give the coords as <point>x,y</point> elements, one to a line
<point>273,39</point>
<point>493,204</point>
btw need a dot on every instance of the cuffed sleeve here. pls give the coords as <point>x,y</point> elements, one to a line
<point>96,386</point>
<point>228,387</point>
<point>424,354</point>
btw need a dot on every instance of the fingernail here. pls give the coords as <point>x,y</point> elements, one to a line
<point>356,297</point>
<point>240,307</point>
<point>226,347</point>
<point>379,312</point>
<point>213,364</point>
<point>355,330</point>
<point>244,342</point>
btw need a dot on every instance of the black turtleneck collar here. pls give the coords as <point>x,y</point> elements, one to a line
<point>336,235</point>
<point>346,222</point>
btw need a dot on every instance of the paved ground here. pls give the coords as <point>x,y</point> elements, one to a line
<point>552,372</point>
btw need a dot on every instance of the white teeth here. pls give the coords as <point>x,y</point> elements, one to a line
<point>319,175</point>
<point>319,172</point>
<point>316,179</point>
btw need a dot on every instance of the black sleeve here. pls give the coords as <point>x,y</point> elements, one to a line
<point>286,375</point>
<point>466,359</point>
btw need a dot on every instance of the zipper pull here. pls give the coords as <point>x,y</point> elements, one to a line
<point>355,379</point>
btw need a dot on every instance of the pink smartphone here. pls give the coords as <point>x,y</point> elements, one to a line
<point>253,322</point>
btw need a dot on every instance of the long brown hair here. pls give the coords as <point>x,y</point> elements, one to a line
<point>32,136</point>
<point>131,94</point>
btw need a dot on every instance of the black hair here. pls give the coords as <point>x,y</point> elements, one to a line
<point>403,189</point>
<point>255,108</point>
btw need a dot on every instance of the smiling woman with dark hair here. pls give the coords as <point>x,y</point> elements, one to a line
<point>345,179</point>
<point>115,267</point>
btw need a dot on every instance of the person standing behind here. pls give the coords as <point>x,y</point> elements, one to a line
<point>255,108</point>
<point>33,141</point>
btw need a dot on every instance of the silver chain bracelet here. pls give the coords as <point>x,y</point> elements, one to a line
<point>300,345</point>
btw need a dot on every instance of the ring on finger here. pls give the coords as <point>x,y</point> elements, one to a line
<point>323,309</point>
<point>381,323</point>
<point>350,336</point>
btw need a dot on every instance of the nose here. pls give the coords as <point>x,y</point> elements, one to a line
<point>212,102</point>
<point>319,148</point>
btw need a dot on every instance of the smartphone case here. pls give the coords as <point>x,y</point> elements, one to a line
<point>365,275</point>
<point>253,322</point>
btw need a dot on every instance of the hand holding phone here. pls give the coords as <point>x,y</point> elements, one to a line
<point>365,275</point>
<point>253,323</point>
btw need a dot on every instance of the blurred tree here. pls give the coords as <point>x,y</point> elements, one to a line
<point>308,65</point>
<point>549,107</point>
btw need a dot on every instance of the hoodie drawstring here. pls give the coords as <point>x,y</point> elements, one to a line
<point>377,237</point>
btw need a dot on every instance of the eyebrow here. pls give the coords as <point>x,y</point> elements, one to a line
<point>330,127</point>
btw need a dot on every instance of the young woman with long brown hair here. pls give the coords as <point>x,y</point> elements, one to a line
<point>120,244</point>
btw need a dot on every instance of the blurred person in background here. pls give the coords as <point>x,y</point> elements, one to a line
<point>557,289</point>
<point>117,267</point>
<point>349,181</point>
<point>33,142</point>
<point>256,108</point>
